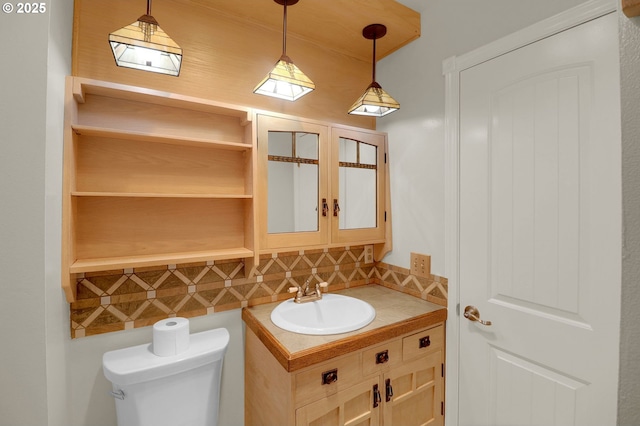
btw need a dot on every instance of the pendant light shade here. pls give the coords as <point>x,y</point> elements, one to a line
<point>285,80</point>
<point>144,46</point>
<point>375,102</point>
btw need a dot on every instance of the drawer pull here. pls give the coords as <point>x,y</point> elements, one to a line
<point>330,376</point>
<point>424,342</point>
<point>388,390</point>
<point>377,399</point>
<point>382,357</point>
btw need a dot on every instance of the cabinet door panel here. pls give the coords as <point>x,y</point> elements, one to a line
<point>350,407</point>
<point>292,182</point>
<point>417,393</point>
<point>358,179</point>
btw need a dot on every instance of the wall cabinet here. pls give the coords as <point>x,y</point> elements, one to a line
<point>152,178</point>
<point>320,184</point>
<point>397,382</point>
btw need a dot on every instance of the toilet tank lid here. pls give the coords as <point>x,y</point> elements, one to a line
<point>138,364</point>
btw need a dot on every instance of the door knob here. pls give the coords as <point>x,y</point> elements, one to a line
<point>473,314</point>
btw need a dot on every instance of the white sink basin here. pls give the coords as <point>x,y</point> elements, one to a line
<point>333,314</point>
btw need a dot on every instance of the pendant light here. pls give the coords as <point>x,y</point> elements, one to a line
<point>375,101</point>
<point>144,46</point>
<point>285,80</point>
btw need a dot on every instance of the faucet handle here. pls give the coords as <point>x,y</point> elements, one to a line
<point>293,289</point>
<point>319,286</point>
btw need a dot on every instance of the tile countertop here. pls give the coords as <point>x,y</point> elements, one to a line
<point>397,314</point>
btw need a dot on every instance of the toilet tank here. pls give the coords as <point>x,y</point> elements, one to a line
<point>183,389</point>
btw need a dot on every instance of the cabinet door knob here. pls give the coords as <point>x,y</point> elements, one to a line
<point>424,342</point>
<point>382,357</point>
<point>336,207</point>
<point>330,376</point>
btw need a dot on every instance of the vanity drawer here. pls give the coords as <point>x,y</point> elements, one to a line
<point>381,357</point>
<point>309,384</point>
<point>423,342</point>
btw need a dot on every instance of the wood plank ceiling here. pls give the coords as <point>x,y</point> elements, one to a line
<point>333,24</point>
<point>230,45</point>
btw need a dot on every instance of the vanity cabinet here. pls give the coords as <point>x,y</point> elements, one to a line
<point>397,382</point>
<point>153,178</point>
<point>320,184</point>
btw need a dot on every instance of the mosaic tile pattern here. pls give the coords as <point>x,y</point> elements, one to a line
<point>434,289</point>
<point>123,299</point>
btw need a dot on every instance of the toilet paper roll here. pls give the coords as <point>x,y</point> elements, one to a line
<point>171,336</point>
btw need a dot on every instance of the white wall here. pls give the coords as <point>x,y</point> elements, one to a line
<point>23,90</point>
<point>629,384</point>
<point>57,310</point>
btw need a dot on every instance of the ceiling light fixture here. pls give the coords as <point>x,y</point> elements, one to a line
<point>144,46</point>
<point>285,80</point>
<point>375,101</point>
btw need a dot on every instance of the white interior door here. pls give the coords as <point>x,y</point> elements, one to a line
<point>540,232</point>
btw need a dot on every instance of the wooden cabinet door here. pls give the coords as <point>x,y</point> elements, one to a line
<point>351,407</point>
<point>413,394</point>
<point>292,182</point>
<point>358,186</point>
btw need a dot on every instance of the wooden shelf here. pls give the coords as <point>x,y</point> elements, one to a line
<point>157,138</point>
<point>153,178</point>
<point>157,195</point>
<point>93,265</point>
<point>84,86</point>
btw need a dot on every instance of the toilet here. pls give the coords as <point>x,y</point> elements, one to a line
<point>183,389</point>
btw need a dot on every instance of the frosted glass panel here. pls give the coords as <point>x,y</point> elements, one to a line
<point>292,182</point>
<point>358,184</point>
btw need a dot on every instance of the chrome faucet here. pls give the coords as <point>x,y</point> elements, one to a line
<point>304,295</point>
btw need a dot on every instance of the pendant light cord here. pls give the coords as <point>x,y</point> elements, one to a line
<point>149,7</point>
<point>374,59</point>
<point>284,30</point>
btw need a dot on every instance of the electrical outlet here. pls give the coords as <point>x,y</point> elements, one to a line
<point>368,254</point>
<point>420,265</point>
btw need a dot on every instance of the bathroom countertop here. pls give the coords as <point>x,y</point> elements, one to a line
<point>397,313</point>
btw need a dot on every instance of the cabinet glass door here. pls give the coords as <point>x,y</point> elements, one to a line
<point>358,179</point>
<point>292,182</point>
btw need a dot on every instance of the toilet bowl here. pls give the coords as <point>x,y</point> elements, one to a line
<point>184,389</point>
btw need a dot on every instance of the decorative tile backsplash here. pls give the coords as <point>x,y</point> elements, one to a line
<point>122,299</point>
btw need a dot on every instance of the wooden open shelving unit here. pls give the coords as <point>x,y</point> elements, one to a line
<point>153,178</point>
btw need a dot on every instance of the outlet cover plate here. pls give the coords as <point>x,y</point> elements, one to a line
<point>420,265</point>
<point>368,254</point>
